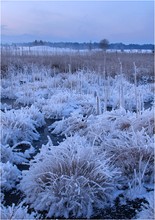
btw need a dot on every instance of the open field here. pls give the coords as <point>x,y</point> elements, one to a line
<point>80,60</point>
<point>77,135</point>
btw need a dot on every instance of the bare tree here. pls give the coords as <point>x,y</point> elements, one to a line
<point>90,46</point>
<point>104,44</point>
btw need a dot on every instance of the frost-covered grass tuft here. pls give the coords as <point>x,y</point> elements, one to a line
<point>69,126</point>
<point>131,152</point>
<point>127,140</point>
<point>145,121</point>
<point>17,212</point>
<point>148,210</point>
<point>18,153</point>
<point>64,103</point>
<point>20,125</point>
<point>69,180</point>
<point>10,175</point>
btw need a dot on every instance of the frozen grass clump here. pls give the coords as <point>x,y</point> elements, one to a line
<point>126,140</point>
<point>5,106</point>
<point>131,150</point>
<point>18,153</point>
<point>8,92</point>
<point>69,126</point>
<point>35,115</point>
<point>90,125</point>
<point>69,180</point>
<point>10,175</point>
<point>2,196</point>
<point>30,86</point>
<point>17,212</point>
<point>145,121</point>
<point>17,127</point>
<point>148,210</point>
<point>64,104</point>
<point>32,92</point>
<point>20,125</point>
<point>54,106</point>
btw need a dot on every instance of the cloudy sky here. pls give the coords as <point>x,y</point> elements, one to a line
<point>77,21</point>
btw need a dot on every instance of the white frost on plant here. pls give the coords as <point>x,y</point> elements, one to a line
<point>20,125</point>
<point>10,175</point>
<point>40,85</point>
<point>69,180</point>
<point>15,212</point>
<point>64,103</point>
<point>69,126</point>
<point>1,196</point>
<point>5,106</point>
<point>126,139</point>
<point>148,210</point>
<point>18,153</point>
<point>145,121</point>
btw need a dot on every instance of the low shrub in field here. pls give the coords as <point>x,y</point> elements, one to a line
<point>69,180</point>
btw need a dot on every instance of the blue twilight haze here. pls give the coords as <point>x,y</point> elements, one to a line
<point>80,21</point>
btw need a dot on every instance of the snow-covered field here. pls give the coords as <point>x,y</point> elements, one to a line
<point>104,164</point>
<point>47,50</point>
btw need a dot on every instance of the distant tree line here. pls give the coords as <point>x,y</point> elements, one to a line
<point>103,44</point>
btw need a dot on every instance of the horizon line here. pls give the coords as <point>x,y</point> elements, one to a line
<point>79,42</point>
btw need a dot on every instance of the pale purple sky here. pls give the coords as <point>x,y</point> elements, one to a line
<point>80,21</point>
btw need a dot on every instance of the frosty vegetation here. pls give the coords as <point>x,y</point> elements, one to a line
<point>106,115</point>
<point>17,212</point>
<point>69,180</point>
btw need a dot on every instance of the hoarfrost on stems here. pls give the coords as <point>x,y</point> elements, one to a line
<point>18,153</point>
<point>148,209</point>
<point>14,212</point>
<point>10,175</point>
<point>127,140</point>
<point>20,125</point>
<point>69,180</point>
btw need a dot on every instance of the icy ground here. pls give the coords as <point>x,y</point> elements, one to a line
<point>105,162</point>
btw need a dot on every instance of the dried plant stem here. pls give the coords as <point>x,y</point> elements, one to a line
<point>136,92</point>
<point>105,96</point>
<point>69,67</point>
<point>121,96</point>
<point>98,105</point>
<point>105,89</point>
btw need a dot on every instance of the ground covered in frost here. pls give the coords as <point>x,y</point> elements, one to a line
<point>103,166</point>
